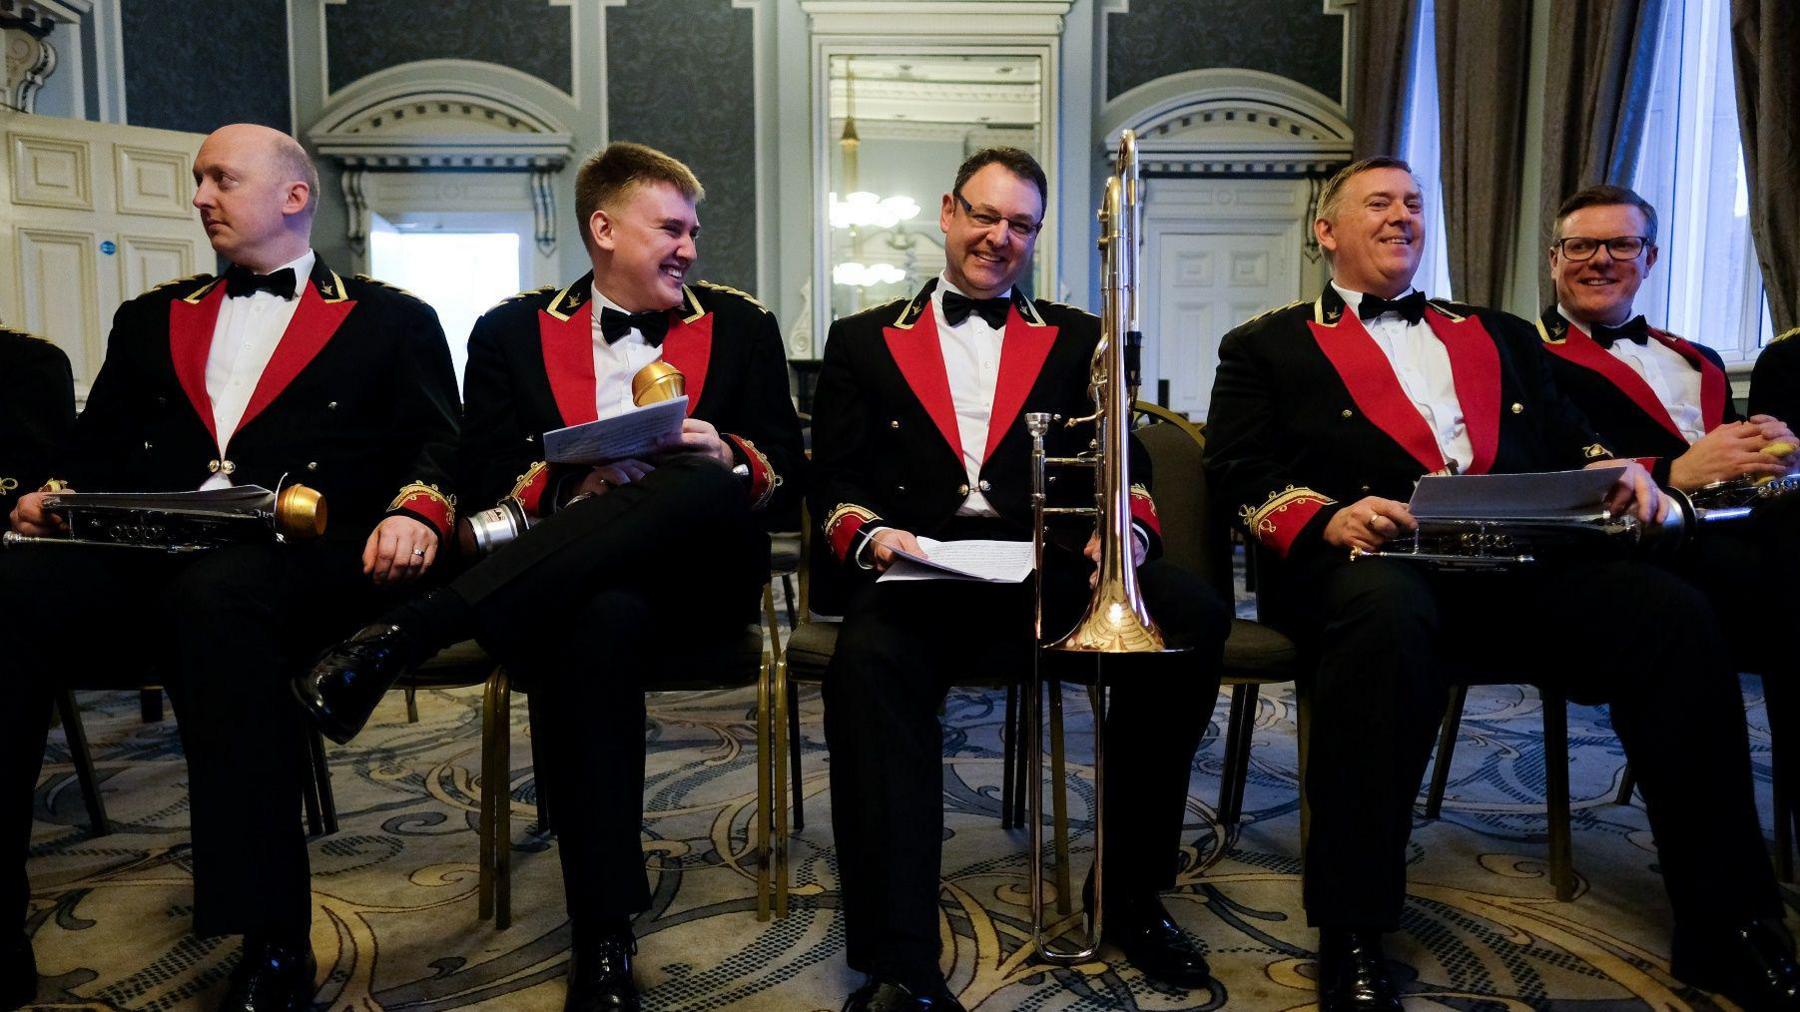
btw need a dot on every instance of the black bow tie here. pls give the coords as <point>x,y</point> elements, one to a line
<point>244,281</point>
<point>1410,306</point>
<point>653,324</point>
<point>958,306</point>
<point>1634,330</point>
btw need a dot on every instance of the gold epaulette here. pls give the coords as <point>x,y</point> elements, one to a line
<point>740,293</point>
<point>1455,310</point>
<point>1784,335</point>
<point>377,282</point>
<point>1271,312</point>
<point>202,276</point>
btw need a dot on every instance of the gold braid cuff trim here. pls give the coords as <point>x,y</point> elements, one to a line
<point>771,480</point>
<point>418,490</point>
<point>1262,520</point>
<point>534,475</point>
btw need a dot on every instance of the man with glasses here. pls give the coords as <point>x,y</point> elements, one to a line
<point>919,430</point>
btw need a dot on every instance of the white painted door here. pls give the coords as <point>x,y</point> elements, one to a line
<point>91,214</point>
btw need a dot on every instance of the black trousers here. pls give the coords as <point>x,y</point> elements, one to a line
<point>225,631</point>
<point>901,646</point>
<point>1390,636</point>
<point>582,610</point>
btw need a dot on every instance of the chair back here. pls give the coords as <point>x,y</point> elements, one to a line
<point>1192,537</point>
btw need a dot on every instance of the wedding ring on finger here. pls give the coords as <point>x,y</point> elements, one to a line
<point>1371,521</point>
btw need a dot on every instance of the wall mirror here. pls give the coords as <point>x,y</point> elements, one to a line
<point>894,128</point>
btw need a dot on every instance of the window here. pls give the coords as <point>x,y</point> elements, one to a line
<point>1707,284</point>
<point>1419,145</point>
<point>459,274</point>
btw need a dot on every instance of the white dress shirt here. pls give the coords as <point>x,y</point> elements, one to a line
<point>1671,377</point>
<point>615,364</point>
<point>1422,364</point>
<point>245,336</point>
<point>972,362</point>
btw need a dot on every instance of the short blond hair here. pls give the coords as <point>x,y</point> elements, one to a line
<point>610,173</point>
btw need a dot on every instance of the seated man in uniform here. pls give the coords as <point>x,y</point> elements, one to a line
<point>278,368</point>
<point>919,430</point>
<point>1323,416</point>
<point>37,410</point>
<point>621,558</point>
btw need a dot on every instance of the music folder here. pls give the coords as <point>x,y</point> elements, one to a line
<point>1537,495</point>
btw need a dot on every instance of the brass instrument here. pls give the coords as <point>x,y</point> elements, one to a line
<point>502,524</point>
<point>1495,543</point>
<point>180,523</point>
<point>1116,620</point>
<point>1739,497</point>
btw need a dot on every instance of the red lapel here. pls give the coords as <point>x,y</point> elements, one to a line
<point>921,360</point>
<point>688,347</point>
<point>1369,377</point>
<point>1475,369</point>
<point>1577,347</point>
<point>1022,354</point>
<point>568,345</point>
<point>1712,379</point>
<point>315,320</point>
<point>190,339</point>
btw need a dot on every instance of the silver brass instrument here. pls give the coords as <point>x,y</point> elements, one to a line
<point>179,523</point>
<point>502,524</point>
<point>1731,500</point>
<point>1497,543</point>
<point>1116,620</point>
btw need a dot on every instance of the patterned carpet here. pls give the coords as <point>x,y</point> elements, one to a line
<point>395,889</point>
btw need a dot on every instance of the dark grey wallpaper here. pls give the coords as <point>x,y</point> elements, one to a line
<point>198,64</point>
<point>1293,38</point>
<point>704,113</point>
<point>363,36</point>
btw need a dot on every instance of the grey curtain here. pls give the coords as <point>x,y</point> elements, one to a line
<point>1381,60</point>
<point>1596,92</point>
<point>1483,56</point>
<point>1763,34</point>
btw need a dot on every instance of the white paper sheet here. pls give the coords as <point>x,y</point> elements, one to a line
<point>1534,496</point>
<point>630,434</point>
<point>982,561</point>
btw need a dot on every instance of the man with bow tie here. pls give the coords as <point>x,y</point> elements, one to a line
<point>279,370</point>
<point>919,431</point>
<point>1323,416</point>
<point>621,557</point>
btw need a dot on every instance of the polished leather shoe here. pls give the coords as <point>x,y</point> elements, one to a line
<point>18,974</point>
<point>347,681</point>
<point>1353,973</point>
<point>1157,946</point>
<point>890,996</point>
<point>271,978</point>
<point>1753,966</point>
<point>600,975</point>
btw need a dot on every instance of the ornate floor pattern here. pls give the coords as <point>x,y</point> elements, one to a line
<point>395,889</point>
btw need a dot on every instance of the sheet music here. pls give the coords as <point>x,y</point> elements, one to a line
<point>631,434</point>
<point>1541,495</point>
<point>981,561</point>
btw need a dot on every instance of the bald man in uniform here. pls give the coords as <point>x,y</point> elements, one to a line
<point>279,367</point>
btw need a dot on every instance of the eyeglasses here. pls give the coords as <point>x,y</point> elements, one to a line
<point>1019,227</point>
<point>1619,247</point>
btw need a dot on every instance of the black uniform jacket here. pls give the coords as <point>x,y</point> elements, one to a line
<point>1630,418</point>
<point>1307,415</point>
<point>37,410</point>
<point>358,401</point>
<point>531,370</point>
<point>1775,382</point>
<point>886,450</point>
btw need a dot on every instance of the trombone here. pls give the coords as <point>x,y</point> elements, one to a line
<point>1116,620</point>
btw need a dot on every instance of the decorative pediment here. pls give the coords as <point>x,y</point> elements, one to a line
<point>1230,122</point>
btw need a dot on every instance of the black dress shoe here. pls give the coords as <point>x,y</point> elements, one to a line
<point>18,974</point>
<point>1753,966</point>
<point>271,978</point>
<point>890,996</point>
<point>1353,973</point>
<point>1157,946</point>
<point>600,975</point>
<point>347,681</point>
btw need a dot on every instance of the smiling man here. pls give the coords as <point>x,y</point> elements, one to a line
<point>620,558</point>
<point>1323,417</point>
<point>919,431</point>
